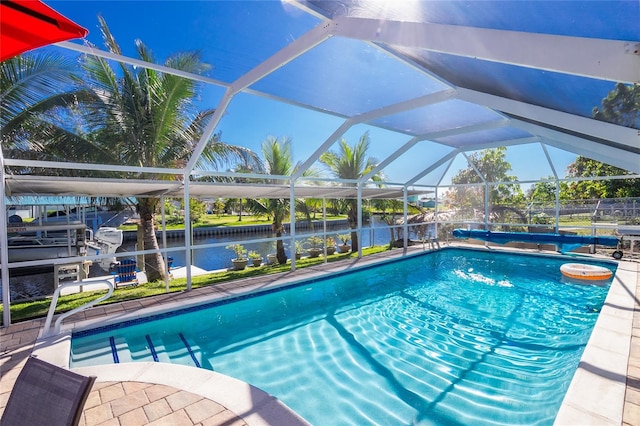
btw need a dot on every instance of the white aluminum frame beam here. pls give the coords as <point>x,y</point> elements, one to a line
<point>448,157</point>
<point>455,151</point>
<point>479,127</point>
<point>612,60</point>
<point>593,150</point>
<point>408,105</point>
<point>431,98</point>
<point>298,47</point>
<point>89,50</point>
<point>322,148</point>
<point>610,155</point>
<point>497,144</point>
<point>599,129</point>
<point>442,176</point>
<point>301,45</point>
<point>208,131</point>
<point>549,161</point>
<point>390,159</point>
<point>90,166</point>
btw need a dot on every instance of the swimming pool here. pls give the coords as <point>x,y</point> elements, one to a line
<point>451,337</point>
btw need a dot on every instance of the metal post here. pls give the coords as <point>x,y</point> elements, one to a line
<point>164,245</point>
<point>292,225</point>
<point>359,210</point>
<point>557,193</point>
<point>486,206</point>
<point>435,215</point>
<point>405,213</point>
<point>4,252</point>
<point>372,235</point>
<point>187,231</point>
<point>324,227</point>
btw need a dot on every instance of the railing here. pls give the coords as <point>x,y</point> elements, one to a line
<point>54,301</point>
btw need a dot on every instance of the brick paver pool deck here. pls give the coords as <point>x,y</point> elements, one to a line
<point>142,398</point>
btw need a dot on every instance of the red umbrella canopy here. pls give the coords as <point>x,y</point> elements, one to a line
<point>28,24</point>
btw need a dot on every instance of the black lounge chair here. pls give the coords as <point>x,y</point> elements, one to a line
<point>45,394</point>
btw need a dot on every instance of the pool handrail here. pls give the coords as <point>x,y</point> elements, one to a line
<point>54,302</point>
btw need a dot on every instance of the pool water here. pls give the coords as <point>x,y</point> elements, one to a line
<point>451,337</point>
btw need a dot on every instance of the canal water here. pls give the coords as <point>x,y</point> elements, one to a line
<point>210,258</point>
<point>219,257</point>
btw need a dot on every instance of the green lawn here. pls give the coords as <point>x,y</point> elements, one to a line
<point>585,224</point>
<point>225,220</point>
<point>37,309</point>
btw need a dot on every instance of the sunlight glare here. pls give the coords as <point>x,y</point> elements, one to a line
<point>393,10</point>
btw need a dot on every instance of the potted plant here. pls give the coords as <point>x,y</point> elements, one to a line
<point>299,246</point>
<point>272,257</point>
<point>316,246</point>
<point>344,239</point>
<point>240,261</point>
<point>255,257</point>
<point>331,246</point>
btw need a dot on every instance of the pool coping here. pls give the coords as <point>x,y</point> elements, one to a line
<point>595,396</point>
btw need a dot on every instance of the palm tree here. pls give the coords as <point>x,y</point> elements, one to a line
<point>308,207</point>
<point>351,163</point>
<point>142,117</point>
<point>33,87</point>
<point>239,203</point>
<point>278,161</point>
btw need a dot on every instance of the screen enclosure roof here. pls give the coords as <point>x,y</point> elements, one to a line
<point>449,77</point>
<point>29,186</point>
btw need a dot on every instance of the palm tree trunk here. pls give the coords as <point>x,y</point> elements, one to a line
<point>352,217</point>
<point>390,220</point>
<point>280,253</point>
<point>277,227</point>
<point>154,265</point>
<point>140,246</point>
<point>354,241</point>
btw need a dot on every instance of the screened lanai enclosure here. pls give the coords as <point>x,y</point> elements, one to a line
<point>469,110</point>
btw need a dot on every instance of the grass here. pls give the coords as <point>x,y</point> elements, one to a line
<point>23,311</point>
<point>224,220</point>
<point>585,225</point>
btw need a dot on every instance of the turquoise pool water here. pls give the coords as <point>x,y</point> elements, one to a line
<point>451,337</point>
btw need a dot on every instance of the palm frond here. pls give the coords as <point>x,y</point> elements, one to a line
<point>351,162</point>
<point>29,85</point>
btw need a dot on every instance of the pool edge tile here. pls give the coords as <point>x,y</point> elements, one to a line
<point>55,349</point>
<point>593,398</point>
<point>571,415</point>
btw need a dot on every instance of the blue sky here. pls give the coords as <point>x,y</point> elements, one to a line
<point>171,26</point>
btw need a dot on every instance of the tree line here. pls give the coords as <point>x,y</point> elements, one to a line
<point>126,115</point>
<point>101,113</point>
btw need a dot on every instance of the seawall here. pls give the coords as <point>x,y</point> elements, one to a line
<point>219,231</point>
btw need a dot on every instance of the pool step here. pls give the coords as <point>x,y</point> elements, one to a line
<point>128,349</point>
<point>169,348</point>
